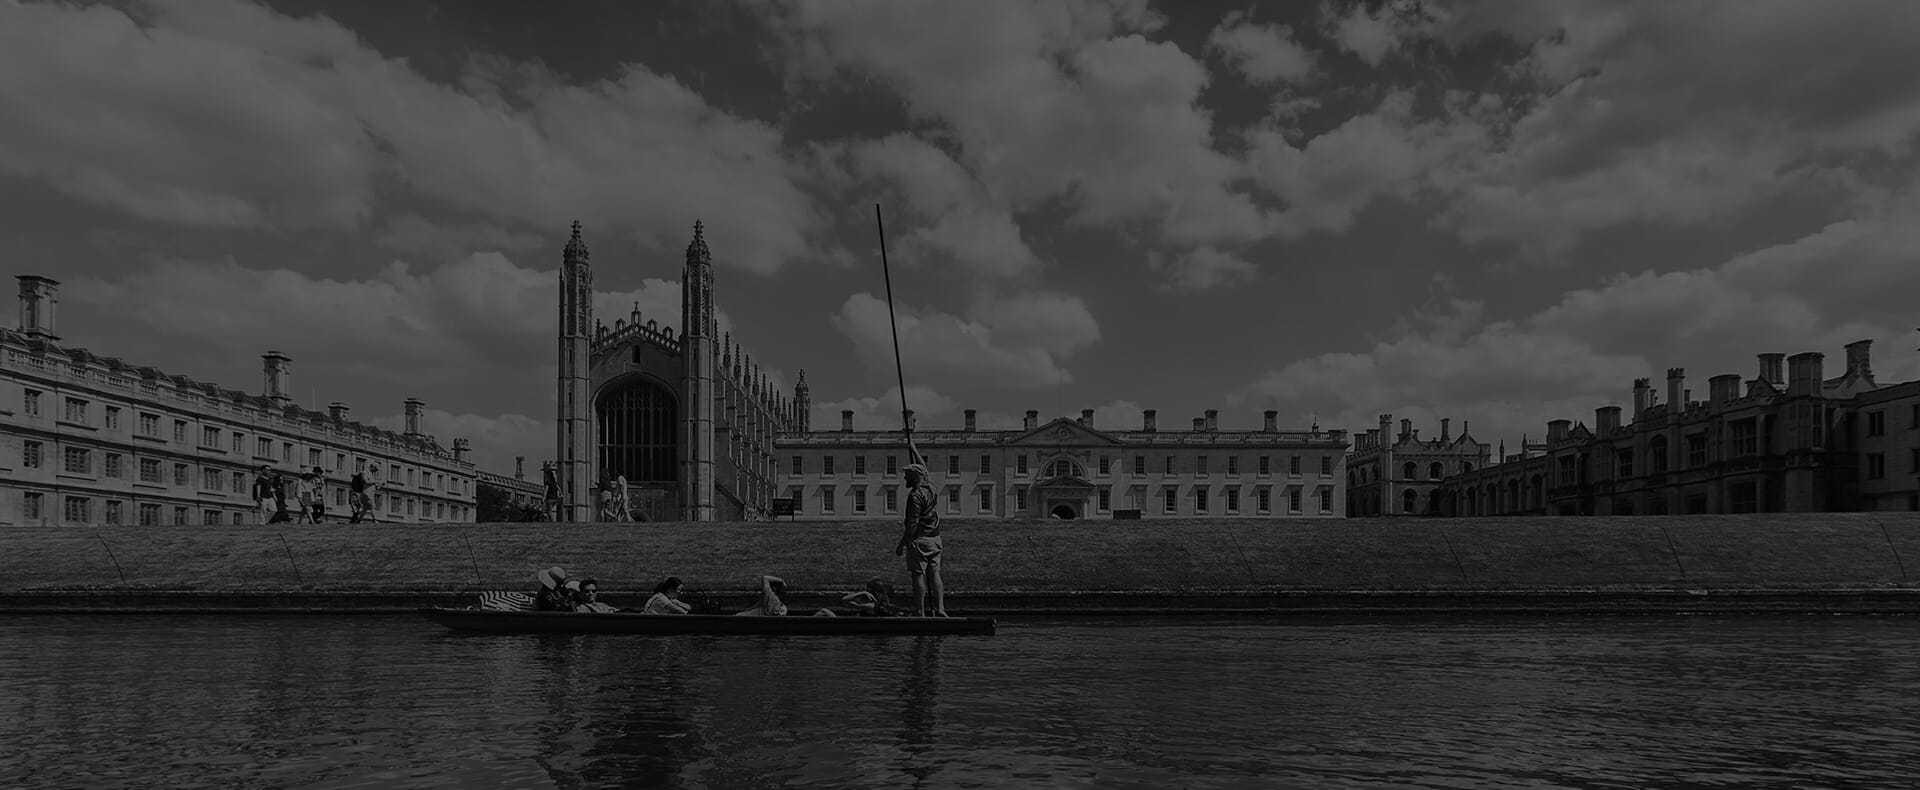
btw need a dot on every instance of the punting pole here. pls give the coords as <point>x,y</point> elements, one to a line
<point>899,373</point>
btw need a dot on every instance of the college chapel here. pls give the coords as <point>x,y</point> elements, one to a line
<point>688,420</point>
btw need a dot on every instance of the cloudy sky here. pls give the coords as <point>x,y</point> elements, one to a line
<point>1500,212</point>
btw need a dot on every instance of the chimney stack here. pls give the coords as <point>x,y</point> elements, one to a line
<point>1676,390</point>
<point>846,421</point>
<point>1606,420</point>
<point>970,414</point>
<point>1199,424</point>
<point>1772,369</point>
<point>38,298</point>
<point>1147,420</point>
<point>337,411</point>
<point>1386,427</point>
<point>1805,372</point>
<point>414,409</point>
<point>1724,388</point>
<point>1213,419</point>
<point>1860,359</point>
<point>519,467</point>
<point>1406,429</point>
<point>1445,433</point>
<point>1558,430</point>
<point>461,449</point>
<point>1271,423</point>
<point>1033,419</point>
<point>1641,388</point>
<point>279,370</point>
<point>1086,417</point>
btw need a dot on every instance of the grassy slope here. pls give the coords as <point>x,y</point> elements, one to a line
<point>1359,554</point>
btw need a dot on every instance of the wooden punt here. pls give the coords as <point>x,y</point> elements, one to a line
<point>523,622</point>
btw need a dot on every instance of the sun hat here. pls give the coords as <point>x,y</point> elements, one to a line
<point>551,577</point>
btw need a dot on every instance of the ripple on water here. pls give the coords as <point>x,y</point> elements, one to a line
<point>382,702</point>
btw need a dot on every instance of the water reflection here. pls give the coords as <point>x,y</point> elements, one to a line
<point>381,702</point>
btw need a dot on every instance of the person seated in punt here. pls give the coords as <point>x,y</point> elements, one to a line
<point>773,591</point>
<point>587,598</point>
<point>666,599</point>
<point>553,595</point>
<point>875,601</point>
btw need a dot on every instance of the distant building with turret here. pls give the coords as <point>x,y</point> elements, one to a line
<point>1397,477</point>
<point>686,418</point>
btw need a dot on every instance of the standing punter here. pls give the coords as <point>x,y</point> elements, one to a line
<point>921,533</point>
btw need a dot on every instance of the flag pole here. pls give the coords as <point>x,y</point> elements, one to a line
<point>899,373</point>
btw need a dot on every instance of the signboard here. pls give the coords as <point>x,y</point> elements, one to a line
<point>785,507</point>
<point>1126,515</point>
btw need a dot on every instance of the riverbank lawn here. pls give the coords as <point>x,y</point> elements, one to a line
<point>1857,549</point>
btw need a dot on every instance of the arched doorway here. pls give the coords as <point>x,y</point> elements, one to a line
<point>1064,512</point>
<point>638,427</point>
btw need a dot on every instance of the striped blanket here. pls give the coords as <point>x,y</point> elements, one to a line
<point>506,601</point>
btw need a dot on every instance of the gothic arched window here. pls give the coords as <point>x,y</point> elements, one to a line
<point>639,432</point>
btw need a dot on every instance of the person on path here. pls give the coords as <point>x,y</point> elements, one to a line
<point>263,493</point>
<point>920,538</point>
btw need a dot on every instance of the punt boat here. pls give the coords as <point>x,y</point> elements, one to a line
<point>527,622</point>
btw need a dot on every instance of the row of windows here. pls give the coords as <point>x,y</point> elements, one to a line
<point>1201,496</point>
<point>1064,467</point>
<point>1877,420</point>
<point>1877,464</point>
<point>80,509</point>
<point>78,411</point>
<point>80,461</point>
<point>1409,471</point>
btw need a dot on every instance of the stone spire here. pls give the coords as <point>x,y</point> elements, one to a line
<point>696,250</point>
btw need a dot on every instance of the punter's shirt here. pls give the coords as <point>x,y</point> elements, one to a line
<point>922,511</point>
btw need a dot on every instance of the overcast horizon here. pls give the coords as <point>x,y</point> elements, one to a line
<point>1500,212</point>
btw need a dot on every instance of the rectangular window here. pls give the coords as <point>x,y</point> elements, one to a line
<point>1746,438</point>
<point>1020,499</point>
<point>1326,466</point>
<point>986,464</point>
<point>1170,497</point>
<point>1233,466</point>
<point>826,499</point>
<point>1293,499</point>
<point>826,465</point>
<point>1200,466</point>
<point>893,499</point>
<point>1876,466</point>
<point>150,426</point>
<point>1876,423</point>
<point>1169,465</point>
<point>1697,450</point>
<point>1624,462</point>
<point>859,498</point>
<point>986,499</point>
<point>953,499</point>
<point>112,514</point>
<point>313,457</point>
<point>1233,499</point>
<point>149,515</point>
<point>31,404</point>
<point>210,437</point>
<point>76,411</point>
<point>1265,499</point>
<point>953,464</point>
<point>1913,460</point>
<point>1326,499</point>
<point>149,470</point>
<point>1106,466</point>
<point>793,466</point>
<point>181,477</point>
<point>263,448</point>
<point>893,465</point>
<point>180,431</point>
<point>239,442</point>
<point>1293,466</point>
<point>30,454</point>
<point>239,483</point>
<point>210,479</point>
<point>1200,496</point>
<point>211,516</point>
<point>180,516</point>
<point>113,418</point>
<point>859,466</point>
<point>1106,498</point>
<point>1139,465</point>
<point>1266,465</point>
<point>32,506</point>
<point>286,454</point>
<point>79,461</point>
<point>339,462</point>
<point>1020,464</point>
<point>79,509</point>
<point>112,468</point>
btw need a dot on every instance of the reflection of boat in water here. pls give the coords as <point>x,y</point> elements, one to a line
<point>521,622</point>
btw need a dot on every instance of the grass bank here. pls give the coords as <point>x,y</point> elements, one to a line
<point>1185,557</point>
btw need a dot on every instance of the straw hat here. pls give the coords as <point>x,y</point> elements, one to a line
<point>552,577</point>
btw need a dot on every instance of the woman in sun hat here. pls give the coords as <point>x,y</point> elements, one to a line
<point>553,595</point>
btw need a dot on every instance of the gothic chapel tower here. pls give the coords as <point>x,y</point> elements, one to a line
<point>698,352</point>
<point>575,449</point>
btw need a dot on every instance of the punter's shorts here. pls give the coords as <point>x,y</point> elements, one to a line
<point>923,553</point>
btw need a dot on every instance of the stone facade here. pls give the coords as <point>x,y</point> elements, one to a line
<point>1785,441</point>
<point>93,440</point>
<point>1071,469</point>
<point>1399,477</point>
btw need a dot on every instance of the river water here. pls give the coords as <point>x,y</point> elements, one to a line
<point>396,701</point>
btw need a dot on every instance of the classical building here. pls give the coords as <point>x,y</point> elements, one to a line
<point>1792,442</point>
<point>92,440</point>
<point>687,419</point>
<point>509,496</point>
<point>1070,469</point>
<point>1398,477</point>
